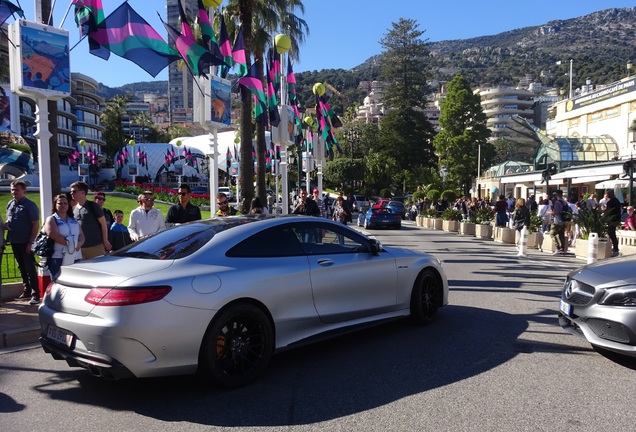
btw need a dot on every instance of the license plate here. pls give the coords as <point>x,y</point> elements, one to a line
<point>566,308</point>
<point>60,336</point>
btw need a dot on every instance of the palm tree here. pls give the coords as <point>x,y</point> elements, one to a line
<point>143,120</point>
<point>266,18</point>
<point>112,117</point>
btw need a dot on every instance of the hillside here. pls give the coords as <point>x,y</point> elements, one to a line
<point>600,45</point>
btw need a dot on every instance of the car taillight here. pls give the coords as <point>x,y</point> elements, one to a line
<point>126,297</point>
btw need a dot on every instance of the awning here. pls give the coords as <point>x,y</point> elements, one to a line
<point>579,180</point>
<point>590,171</point>
<point>521,178</point>
<point>611,184</point>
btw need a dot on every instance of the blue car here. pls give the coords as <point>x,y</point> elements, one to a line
<point>380,217</point>
<point>397,207</point>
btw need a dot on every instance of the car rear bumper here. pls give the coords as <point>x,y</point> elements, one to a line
<point>97,364</point>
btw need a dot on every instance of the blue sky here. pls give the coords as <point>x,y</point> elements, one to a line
<point>344,33</point>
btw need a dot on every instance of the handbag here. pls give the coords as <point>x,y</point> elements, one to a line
<point>43,245</point>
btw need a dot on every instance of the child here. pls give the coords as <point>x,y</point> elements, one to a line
<point>118,235</point>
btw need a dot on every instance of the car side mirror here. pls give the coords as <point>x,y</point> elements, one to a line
<point>376,247</point>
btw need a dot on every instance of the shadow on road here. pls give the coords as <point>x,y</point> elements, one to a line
<point>346,375</point>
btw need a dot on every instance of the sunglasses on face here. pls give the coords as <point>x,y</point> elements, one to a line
<point>100,199</point>
<point>221,202</point>
<point>149,199</point>
<point>183,193</point>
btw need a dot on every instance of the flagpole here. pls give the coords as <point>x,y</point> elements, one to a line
<point>68,9</point>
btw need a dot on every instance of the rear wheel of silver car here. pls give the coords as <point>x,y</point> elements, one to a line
<point>237,346</point>
<point>425,298</point>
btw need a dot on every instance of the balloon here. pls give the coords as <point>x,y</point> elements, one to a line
<point>283,43</point>
<point>178,143</point>
<point>82,142</point>
<point>212,3</point>
<point>131,142</point>
<point>319,89</point>
<point>309,120</point>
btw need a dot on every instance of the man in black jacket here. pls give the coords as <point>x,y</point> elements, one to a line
<point>307,206</point>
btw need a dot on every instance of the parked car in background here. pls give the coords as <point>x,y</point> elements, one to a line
<point>214,296</point>
<point>381,203</point>
<point>598,303</point>
<point>228,192</point>
<point>360,203</point>
<point>397,207</point>
<point>379,217</point>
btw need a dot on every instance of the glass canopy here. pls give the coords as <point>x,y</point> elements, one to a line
<point>573,151</point>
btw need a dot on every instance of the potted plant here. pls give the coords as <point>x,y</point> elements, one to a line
<point>451,218</point>
<point>593,220</point>
<point>483,221</point>
<point>535,237</point>
<point>429,216</point>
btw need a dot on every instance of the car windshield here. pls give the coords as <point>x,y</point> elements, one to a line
<point>179,241</point>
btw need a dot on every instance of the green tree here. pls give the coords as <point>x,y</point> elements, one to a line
<point>342,170</point>
<point>112,118</point>
<point>463,130</point>
<point>143,120</point>
<point>404,66</point>
<point>406,135</point>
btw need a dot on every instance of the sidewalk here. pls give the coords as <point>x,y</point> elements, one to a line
<point>19,323</point>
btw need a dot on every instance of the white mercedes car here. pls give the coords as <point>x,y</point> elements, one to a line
<point>220,296</point>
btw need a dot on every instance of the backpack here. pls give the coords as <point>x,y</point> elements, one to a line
<point>566,212</point>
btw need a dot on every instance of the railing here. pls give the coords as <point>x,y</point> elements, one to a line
<point>9,266</point>
<point>626,242</point>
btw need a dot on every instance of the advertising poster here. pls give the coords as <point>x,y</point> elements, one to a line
<point>132,170</point>
<point>45,58</point>
<point>221,101</point>
<point>234,169</point>
<point>178,169</point>
<point>83,170</point>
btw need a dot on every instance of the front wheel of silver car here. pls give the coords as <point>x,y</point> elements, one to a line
<point>237,346</point>
<point>425,298</point>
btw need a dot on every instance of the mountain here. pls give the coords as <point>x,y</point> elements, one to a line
<point>599,44</point>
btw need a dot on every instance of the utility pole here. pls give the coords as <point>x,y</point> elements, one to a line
<point>43,14</point>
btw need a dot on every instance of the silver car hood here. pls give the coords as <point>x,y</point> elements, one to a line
<point>612,272</point>
<point>94,273</point>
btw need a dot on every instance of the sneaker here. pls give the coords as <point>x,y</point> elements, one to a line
<point>558,252</point>
<point>34,300</point>
<point>615,253</point>
<point>23,296</point>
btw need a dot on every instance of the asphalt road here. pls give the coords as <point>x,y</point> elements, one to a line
<point>495,360</point>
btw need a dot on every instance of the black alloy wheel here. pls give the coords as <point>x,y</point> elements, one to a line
<point>237,346</point>
<point>425,298</point>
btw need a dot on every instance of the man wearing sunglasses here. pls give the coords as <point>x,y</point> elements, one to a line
<point>224,206</point>
<point>184,211</point>
<point>145,219</point>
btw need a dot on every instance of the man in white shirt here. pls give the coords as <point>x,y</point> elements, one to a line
<point>145,219</point>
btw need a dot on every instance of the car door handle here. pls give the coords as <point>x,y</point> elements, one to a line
<point>325,262</point>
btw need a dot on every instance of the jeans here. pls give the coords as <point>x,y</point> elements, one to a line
<point>54,265</point>
<point>611,233</point>
<point>26,265</point>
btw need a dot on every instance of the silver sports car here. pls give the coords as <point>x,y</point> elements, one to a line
<point>220,296</point>
<point>599,303</point>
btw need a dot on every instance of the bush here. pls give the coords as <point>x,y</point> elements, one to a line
<point>419,196</point>
<point>450,195</point>
<point>452,214</point>
<point>430,212</point>
<point>484,216</point>
<point>593,221</point>
<point>433,195</point>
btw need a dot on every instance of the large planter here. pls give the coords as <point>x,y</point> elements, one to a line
<point>548,244</point>
<point>483,231</point>
<point>428,222</point>
<point>535,240</point>
<point>437,224</point>
<point>505,235</point>
<point>419,221</point>
<point>604,248</point>
<point>467,228</point>
<point>450,226</point>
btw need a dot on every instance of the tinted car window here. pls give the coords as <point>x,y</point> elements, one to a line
<point>321,239</point>
<point>179,241</point>
<point>275,242</point>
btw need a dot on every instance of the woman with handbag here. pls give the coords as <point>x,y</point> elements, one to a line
<point>67,235</point>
